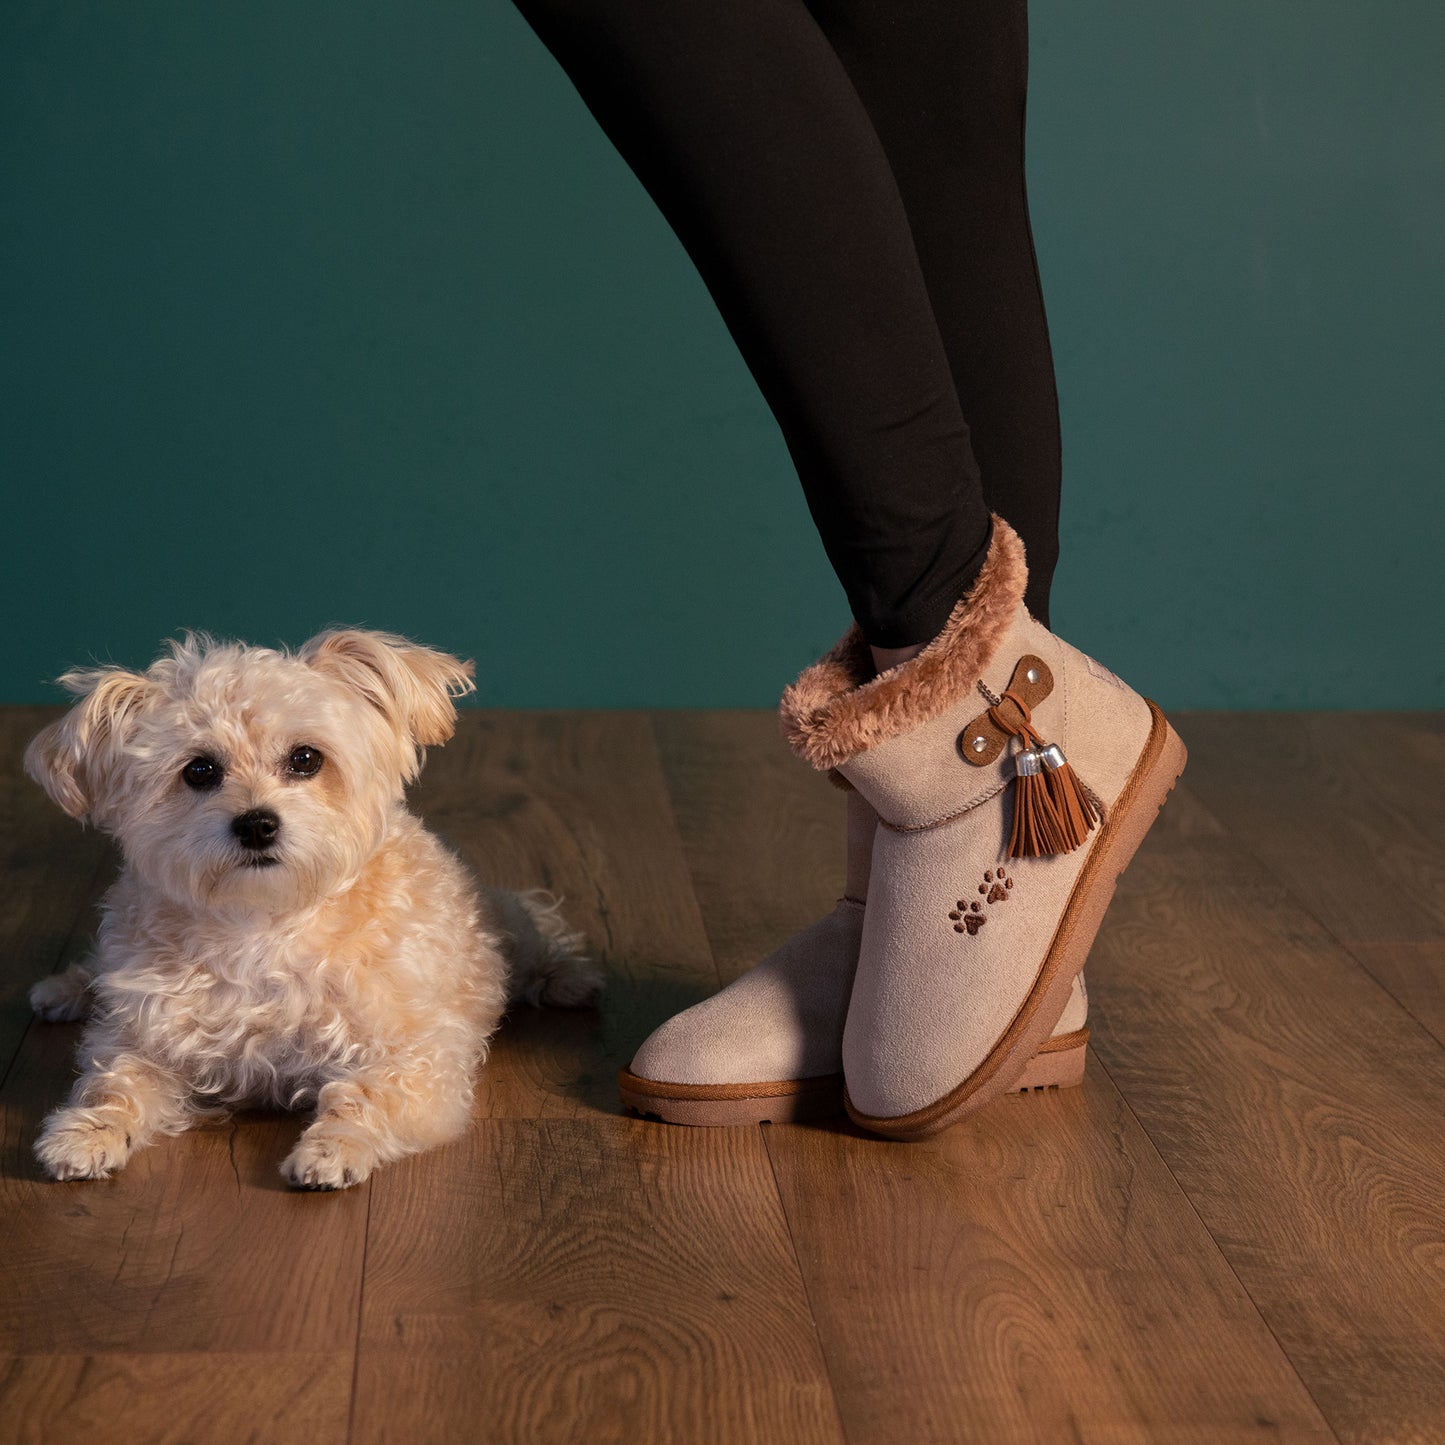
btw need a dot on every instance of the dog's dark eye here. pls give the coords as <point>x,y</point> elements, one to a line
<point>304,762</point>
<point>202,773</point>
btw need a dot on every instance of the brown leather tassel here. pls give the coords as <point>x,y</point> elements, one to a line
<point>1052,814</point>
<point>1037,828</point>
<point>1072,807</point>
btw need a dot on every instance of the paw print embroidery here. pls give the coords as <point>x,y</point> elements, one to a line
<point>970,917</point>
<point>995,886</point>
<point>967,917</point>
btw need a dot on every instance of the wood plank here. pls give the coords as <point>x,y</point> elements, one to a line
<point>1413,974</point>
<point>213,1399</point>
<point>1034,1274</point>
<point>1294,1101</point>
<point>1347,809</point>
<point>587,1279</point>
<point>196,1245</point>
<point>51,872</point>
<point>781,863</point>
<point>1357,833</point>
<point>562,1272</point>
<point>575,802</point>
<point>136,1301</point>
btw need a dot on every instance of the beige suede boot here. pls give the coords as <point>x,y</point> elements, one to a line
<point>770,1045</point>
<point>1014,778</point>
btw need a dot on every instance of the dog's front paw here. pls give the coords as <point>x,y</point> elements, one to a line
<point>325,1160</point>
<point>63,997</point>
<point>82,1144</point>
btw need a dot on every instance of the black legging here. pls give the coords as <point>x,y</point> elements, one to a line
<point>848,178</point>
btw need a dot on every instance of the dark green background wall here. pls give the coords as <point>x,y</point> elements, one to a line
<point>345,312</point>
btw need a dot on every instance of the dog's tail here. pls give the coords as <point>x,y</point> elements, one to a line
<point>547,959</point>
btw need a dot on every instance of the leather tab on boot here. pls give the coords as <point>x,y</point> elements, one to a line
<point>981,742</point>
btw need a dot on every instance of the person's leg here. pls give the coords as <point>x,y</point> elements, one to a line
<point>744,127</point>
<point>945,84</point>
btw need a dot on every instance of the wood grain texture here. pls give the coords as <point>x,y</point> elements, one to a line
<point>780,862</point>
<point>1413,974</point>
<point>196,1245</point>
<point>1347,809</point>
<point>1034,1274</point>
<point>576,803</point>
<point>1298,1106</point>
<point>565,1273</point>
<point>605,1280</point>
<point>1233,1232</point>
<point>188,1399</point>
<point>51,871</point>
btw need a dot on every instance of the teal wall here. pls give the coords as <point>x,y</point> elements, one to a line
<point>347,313</point>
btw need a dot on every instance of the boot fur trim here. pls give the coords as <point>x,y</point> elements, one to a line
<point>838,708</point>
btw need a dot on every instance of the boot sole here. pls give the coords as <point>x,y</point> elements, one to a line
<point>1059,1064</point>
<point>1131,817</point>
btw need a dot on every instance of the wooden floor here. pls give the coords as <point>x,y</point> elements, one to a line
<point>1234,1231</point>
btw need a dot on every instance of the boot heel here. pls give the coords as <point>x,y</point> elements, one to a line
<point>1059,1064</point>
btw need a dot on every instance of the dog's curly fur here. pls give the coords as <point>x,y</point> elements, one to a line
<point>350,963</point>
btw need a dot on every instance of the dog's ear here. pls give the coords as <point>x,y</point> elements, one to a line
<point>414,686</point>
<point>74,758</point>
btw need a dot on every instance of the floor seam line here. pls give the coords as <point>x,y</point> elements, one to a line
<point>1218,1248</point>
<point>1241,840</point>
<point>765,1131</point>
<point>360,1313</point>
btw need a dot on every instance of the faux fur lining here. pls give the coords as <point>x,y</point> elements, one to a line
<point>838,708</point>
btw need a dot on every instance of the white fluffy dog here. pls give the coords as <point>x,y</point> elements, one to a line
<point>283,930</point>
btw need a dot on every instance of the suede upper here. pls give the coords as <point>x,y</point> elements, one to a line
<point>958,936</point>
<point>784,1018</point>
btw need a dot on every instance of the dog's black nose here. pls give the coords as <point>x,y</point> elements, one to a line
<point>256,829</point>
